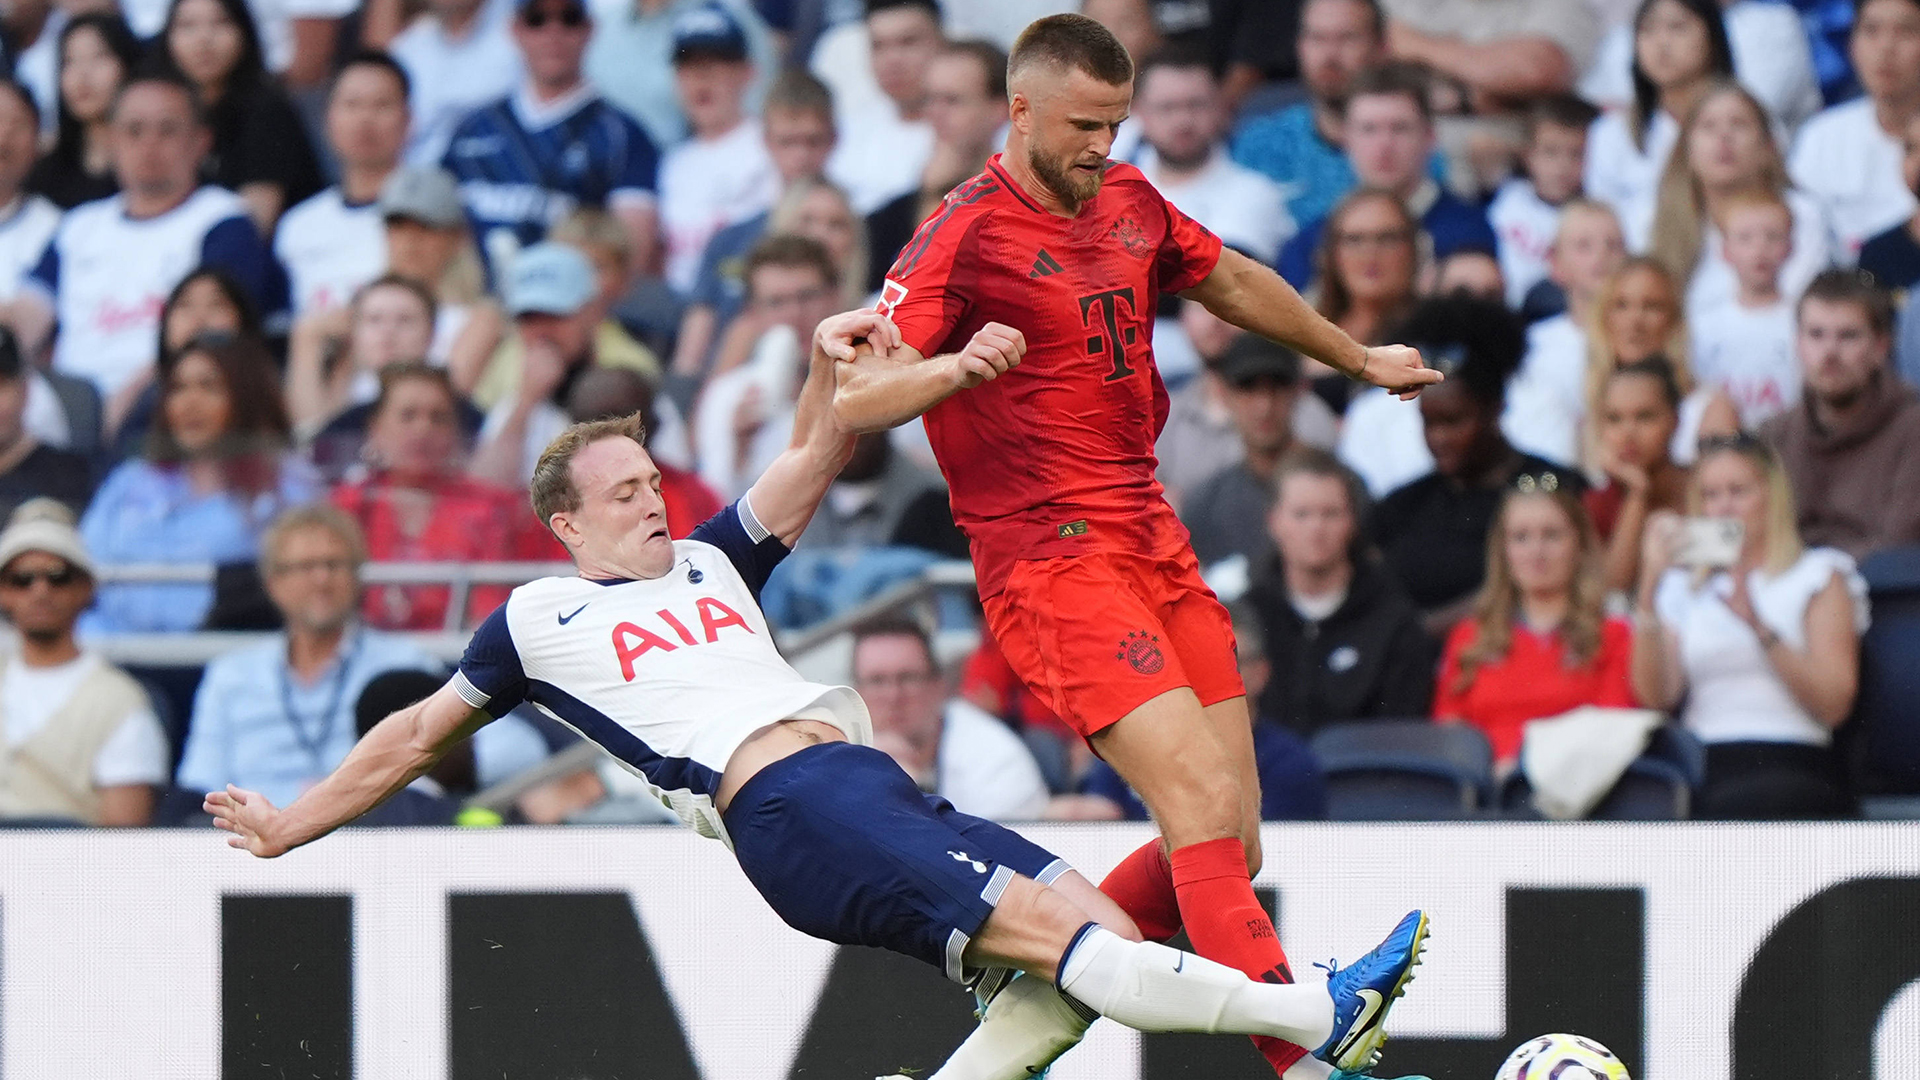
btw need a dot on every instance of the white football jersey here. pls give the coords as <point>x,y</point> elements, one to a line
<point>668,675</point>
<point>330,248</point>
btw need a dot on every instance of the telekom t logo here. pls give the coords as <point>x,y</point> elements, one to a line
<point>1100,313</point>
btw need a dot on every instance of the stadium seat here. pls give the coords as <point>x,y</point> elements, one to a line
<point>1886,718</point>
<point>1404,770</point>
<point>1657,786</point>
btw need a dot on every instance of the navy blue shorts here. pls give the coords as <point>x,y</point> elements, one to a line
<point>846,848</point>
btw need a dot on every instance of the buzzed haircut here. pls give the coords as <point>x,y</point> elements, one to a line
<point>1178,55</point>
<point>1072,43</point>
<point>1561,111</point>
<point>162,77</point>
<point>796,90</point>
<point>1394,78</point>
<point>788,249</point>
<point>989,57</point>
<point>897,626</point>
<point>1856,287</point>
<point>382,60</point>
<point>1375,15</point>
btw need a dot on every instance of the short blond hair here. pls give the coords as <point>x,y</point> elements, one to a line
<point>595,232</point>
<point>551,490</point>
<point>312,516</point>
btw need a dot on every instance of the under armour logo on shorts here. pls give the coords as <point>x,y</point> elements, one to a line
<point>961,856</point>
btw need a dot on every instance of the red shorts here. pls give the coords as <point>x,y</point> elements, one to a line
<point>1097,635</point>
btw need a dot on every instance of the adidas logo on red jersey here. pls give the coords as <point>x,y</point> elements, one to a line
<point>1044,265</point>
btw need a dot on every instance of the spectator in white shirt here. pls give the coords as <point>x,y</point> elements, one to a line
<point>1848,157</point>
<point>336,241</point>
<point>1771,57</point>
<point>722,174</point>
<point>1679,48</point>
<point>459,57</point>
<point>1547,398</point>
<point>885,140</point>
<point>1744,345</point>
<point>951,747</point>
<point>1182,120</point>
<point>1525,213</point>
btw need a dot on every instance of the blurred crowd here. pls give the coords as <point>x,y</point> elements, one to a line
<point>291,288</point>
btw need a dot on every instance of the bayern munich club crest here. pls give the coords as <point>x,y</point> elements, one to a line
<point>1142,650</point>
<point>1132,237</point>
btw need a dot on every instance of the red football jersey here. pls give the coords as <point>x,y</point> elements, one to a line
<point>1057,454</point>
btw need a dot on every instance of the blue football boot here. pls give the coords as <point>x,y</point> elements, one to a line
<point>1365,990</point>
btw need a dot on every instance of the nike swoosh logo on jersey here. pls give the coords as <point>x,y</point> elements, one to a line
<point>1370,1004</point>
<point>568,617</point>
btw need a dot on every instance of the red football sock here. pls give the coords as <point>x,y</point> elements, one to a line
<point>1143,887</point>
<point>1226,923</point>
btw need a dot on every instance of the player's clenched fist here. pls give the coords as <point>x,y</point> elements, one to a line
<point>994,349</point>
<point>1399,369</point>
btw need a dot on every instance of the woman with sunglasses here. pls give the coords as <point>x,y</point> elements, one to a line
<point>1759,651</point>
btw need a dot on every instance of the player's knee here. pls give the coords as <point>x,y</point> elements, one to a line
<point>1251,842</point>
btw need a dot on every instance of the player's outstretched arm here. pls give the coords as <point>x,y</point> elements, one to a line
<point>1251,296</point>
<point>394,754</point>
<point>884,388</point>
<point>786,495</point>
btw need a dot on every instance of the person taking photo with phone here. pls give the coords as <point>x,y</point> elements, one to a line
<point>1758,633</point>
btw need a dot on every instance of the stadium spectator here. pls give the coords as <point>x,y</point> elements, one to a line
<point>1848,157</point>
<point>723,172</point>
<point>1433,532</point>
<point>1539,642</point>
<point>1851,449</point>
<point>27,221</point>
<point>1743,345</point>
<point>1771,56</point>
<point>1467,272</point>
<point>1370,264</point>
<point>207,301</point>
<point>277,716</point>
<point>459,57</point>
<point>1227,512</point>
<point>967,110</point>
<point>549,290</point>
<point>389,321</point>
<point>1893,256</point>
<point>745,417</point>
<point>97,55</point>
<point>214,474</point>
<point>602,393</point>
<point>1388,133</point>
<point>1551,385</point>
<point>885,139</point>
<point>414,504</point>
<point>819,211</point>
<point>1725,146</point>
<point>104,274</point>
<point>798,124</point>
<point>1183,118</point>
<point>260,148</point>
<point>882,498</point>
<point>951,747</point>
<point>1639,412</point>
<point>29,468</point>
<point>1679,48</point>
<point>526,160</point>
<point>1291,787</point>
<point>1343,643</point>
<point>1761,658</point>
<point>335,242</point>
<point>630,59</point>
<point>80,739</point>
<point>1639,316</point>
<point>1525,212</point>
<point>1503,51</point>
<point>428,241</point>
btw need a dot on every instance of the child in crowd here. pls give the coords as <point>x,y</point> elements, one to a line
<point>1548,395</point>
<point>1525,213</point>
<point>1744,346</point>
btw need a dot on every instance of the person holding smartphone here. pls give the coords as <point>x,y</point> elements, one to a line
<point>1759,634</point>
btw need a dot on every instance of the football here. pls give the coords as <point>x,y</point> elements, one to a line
<point>1562,1057</point>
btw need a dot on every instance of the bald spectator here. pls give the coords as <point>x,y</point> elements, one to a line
<point>1848,157</point>
<point>885,140</point>
<point>1504,51</point>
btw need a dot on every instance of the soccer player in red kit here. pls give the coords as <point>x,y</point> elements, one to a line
<point>1024,307</point>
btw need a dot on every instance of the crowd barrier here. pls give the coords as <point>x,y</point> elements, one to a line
<point>1697,952</point>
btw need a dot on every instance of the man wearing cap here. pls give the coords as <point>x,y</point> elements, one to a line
<point>528,159</point>
<point>549,290</point>
<point>78,738</point>
<point>631,59</point>
<point>334,242</point>
<point>458,57</point>
<point>1227,513</point>
<point>722,173</point>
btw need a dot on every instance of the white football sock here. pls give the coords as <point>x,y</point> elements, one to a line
<point>1150,987</point>
<point>1026,1026</point>
<point>1308,1068</point>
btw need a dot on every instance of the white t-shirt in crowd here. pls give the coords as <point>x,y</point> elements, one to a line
<point>1844,159</point>
<point>1733,692</point>
<point>706,185</point>
<point>879,156</point>
<point>1242,207</point>
<point>136,752</point>
<point>24,234</point>
<point>1625,176</point>
<point>723,465</point>
<point>1547,397</point>
<point>454,76</point>
<point>1384,440</point>
<point>1770,58</point>
<point>1714,283</point>
<point>1524,224</point>
<point>985,770</point>
<point>330,248</point>
<point>1749,354</point>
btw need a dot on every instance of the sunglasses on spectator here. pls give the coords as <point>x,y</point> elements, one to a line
<point>24,579</point>
<point>571,16</point>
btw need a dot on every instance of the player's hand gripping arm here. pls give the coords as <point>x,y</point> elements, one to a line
<point>887,382</point>
<point>786,495</point>
<point>1253,297</point>
<point>394,754</point>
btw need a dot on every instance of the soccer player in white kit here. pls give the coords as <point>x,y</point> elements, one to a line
<point>657,651</point>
